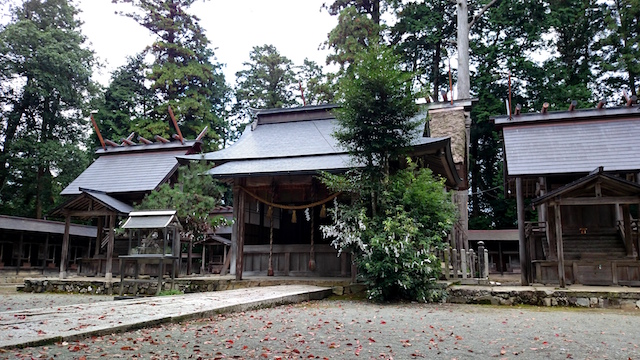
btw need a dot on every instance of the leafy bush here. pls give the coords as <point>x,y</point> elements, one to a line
<point>395,250</point>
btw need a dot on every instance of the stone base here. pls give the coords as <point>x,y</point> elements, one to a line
<point>617,299</point>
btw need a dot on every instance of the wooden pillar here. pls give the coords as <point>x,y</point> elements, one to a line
<point>203,259</point>
<point>522,248</point>
<point>560,251</point>
<point>96,251</point>
<point>65,247</point>
<point>238,226</point>
<point>109,266</point>
<point>500,259</point>
<point>628,237</point>
<point>45,252</point>
<point>189,256</point>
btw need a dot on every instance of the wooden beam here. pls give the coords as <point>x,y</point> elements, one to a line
<point>65,248</point>
<point>109,265</point>
<point>605,200</point>
<point>239,202</point>
<point>89,213</point>
<point>524,265</point>
<point>560,249</point>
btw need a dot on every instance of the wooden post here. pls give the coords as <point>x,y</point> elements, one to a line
<point>203,259</point>
<point>628,237</point>
<point>447,272</point>
<point>239,202</point>
<point>112,238</point>
<point>96,251</point>
<point>560,250</point>
<point>500,260</point>
<point>189,256</point>
<point>65,247</point>
<point>481,255</point>
<point>524,269</point>
<point>486,264</point>
<point>454,262</point>
<point>463,263</point>
<point>472,260</point>
<point>46,253</point>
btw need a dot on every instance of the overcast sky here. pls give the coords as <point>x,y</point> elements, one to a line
<point>295,27</point>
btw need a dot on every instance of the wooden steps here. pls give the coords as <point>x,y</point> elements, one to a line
<point>597,246</point>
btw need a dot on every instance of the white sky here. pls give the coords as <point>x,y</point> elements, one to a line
<point>295,27</point>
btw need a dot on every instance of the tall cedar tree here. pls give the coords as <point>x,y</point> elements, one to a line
<point>268,81</point>
<point>423,36</point>
<point>182,74</point>
<point>359,26</point>
<point>619,48</point>
<point>503,41</point>
<point>45,74</point>
<point>126,103</point>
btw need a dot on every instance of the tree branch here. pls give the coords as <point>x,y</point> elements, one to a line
<point>482,11</point>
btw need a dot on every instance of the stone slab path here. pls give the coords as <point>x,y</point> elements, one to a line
<point>53,324</point>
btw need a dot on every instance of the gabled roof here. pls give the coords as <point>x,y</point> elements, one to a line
<point>610,186</point>
<point>154,219</point>
<point>91,201</point>
<point>300,141</point>
<point>127,169</point>
<point>45,226</point>
<point>572,142</point>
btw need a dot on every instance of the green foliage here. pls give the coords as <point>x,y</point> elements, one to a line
<point>182,74</point>
<point>394,221</point>
<point>45,76</point>
<point>193,197</point>
<point>126,103</point>
<point>422,36</point>
<point>359,26</point>
<point>395,250</point>
<point>318,87</point>
<point>170,292</point>
<point>267,82</point>
<point>619,47</point>
<point>375,121</point>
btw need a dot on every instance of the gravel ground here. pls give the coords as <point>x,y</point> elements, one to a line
<point>343,329</point>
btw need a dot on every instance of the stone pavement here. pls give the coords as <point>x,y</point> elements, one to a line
<point>47,325</point>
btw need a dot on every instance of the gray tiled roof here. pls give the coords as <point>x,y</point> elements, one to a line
<point>297,165</point>
<point>45,226</point>
<point>108,201</point>
<point>150,220</point>
<point>572,147</point>
<point>295,146</point>
<point>288,139</point>
<point>126,172</point>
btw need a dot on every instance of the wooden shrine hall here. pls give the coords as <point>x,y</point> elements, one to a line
<point>581,170</point>
<point>121,176</point>
<point>279,203</point>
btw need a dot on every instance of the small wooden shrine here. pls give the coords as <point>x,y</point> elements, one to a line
<point>585,226</point>
<point>154,241</point>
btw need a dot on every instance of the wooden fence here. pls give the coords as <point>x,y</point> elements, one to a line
<point>465,264</point>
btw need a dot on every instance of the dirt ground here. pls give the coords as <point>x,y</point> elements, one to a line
<point>353,329</point>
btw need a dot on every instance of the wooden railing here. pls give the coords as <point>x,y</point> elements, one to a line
<point>465,264</point>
